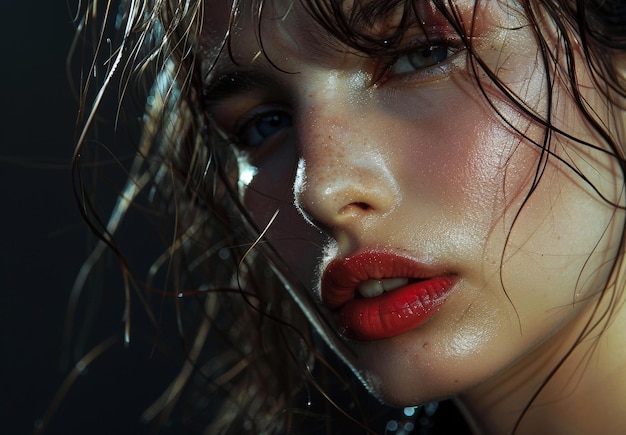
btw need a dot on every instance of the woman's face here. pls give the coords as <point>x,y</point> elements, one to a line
<point>403,191</point>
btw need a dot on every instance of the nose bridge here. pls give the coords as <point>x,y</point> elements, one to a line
<point>345,179</point>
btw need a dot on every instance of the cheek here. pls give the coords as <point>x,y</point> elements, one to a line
<point>464,164</point>
<point>267,195</point>
<point>565,238</point>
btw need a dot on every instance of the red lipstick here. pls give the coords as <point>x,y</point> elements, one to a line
<point>391,313</point>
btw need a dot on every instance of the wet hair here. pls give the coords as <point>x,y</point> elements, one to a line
<point>248,331</point>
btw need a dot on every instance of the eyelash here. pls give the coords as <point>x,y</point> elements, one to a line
<point>450,46</point>
<point>243,130</point>
<point>246,138</point>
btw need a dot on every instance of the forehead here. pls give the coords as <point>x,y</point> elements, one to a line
<point>284,28</point>
<point>218,12</point>
<point>250,24</point>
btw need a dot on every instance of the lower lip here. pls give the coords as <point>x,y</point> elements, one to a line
<point>395,312</point>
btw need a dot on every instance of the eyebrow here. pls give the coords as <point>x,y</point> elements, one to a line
<point>232,83</point>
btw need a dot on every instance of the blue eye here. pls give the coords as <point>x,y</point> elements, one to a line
<point>421,58</point>
<point>262,126</point>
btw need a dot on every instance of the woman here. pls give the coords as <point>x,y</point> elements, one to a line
<point>434,188</point>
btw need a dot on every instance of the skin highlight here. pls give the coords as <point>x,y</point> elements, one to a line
<point>351,183</point>
<point>480,140</point>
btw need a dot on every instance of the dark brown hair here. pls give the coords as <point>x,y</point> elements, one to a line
<point>249,336</point>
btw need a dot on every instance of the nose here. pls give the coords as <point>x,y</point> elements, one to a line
<point>345,182</point>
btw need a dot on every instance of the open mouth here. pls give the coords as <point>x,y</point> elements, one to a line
<point>376,287</point>
<point>378,295</point>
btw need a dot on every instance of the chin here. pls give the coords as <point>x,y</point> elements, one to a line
<point>402,371</point>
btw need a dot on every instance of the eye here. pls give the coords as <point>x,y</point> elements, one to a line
<point>421,58</point>
<point>255,128</point>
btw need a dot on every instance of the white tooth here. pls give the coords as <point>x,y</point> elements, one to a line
<point>394,283</point>
<point>376,287</point>
<point>370,288</point>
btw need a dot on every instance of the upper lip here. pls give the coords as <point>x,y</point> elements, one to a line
<point>342,276</point>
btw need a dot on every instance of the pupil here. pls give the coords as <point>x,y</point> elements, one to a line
<point>439,53</point>
<point>272,122</point>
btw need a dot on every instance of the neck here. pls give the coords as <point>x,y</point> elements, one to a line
<point>584,394</point>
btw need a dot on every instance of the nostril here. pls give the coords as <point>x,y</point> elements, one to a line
<point>356,206</point>
<point>362,205</point>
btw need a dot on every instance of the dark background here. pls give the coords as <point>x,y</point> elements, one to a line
<point>44,241</point>
<point>42,237</point>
